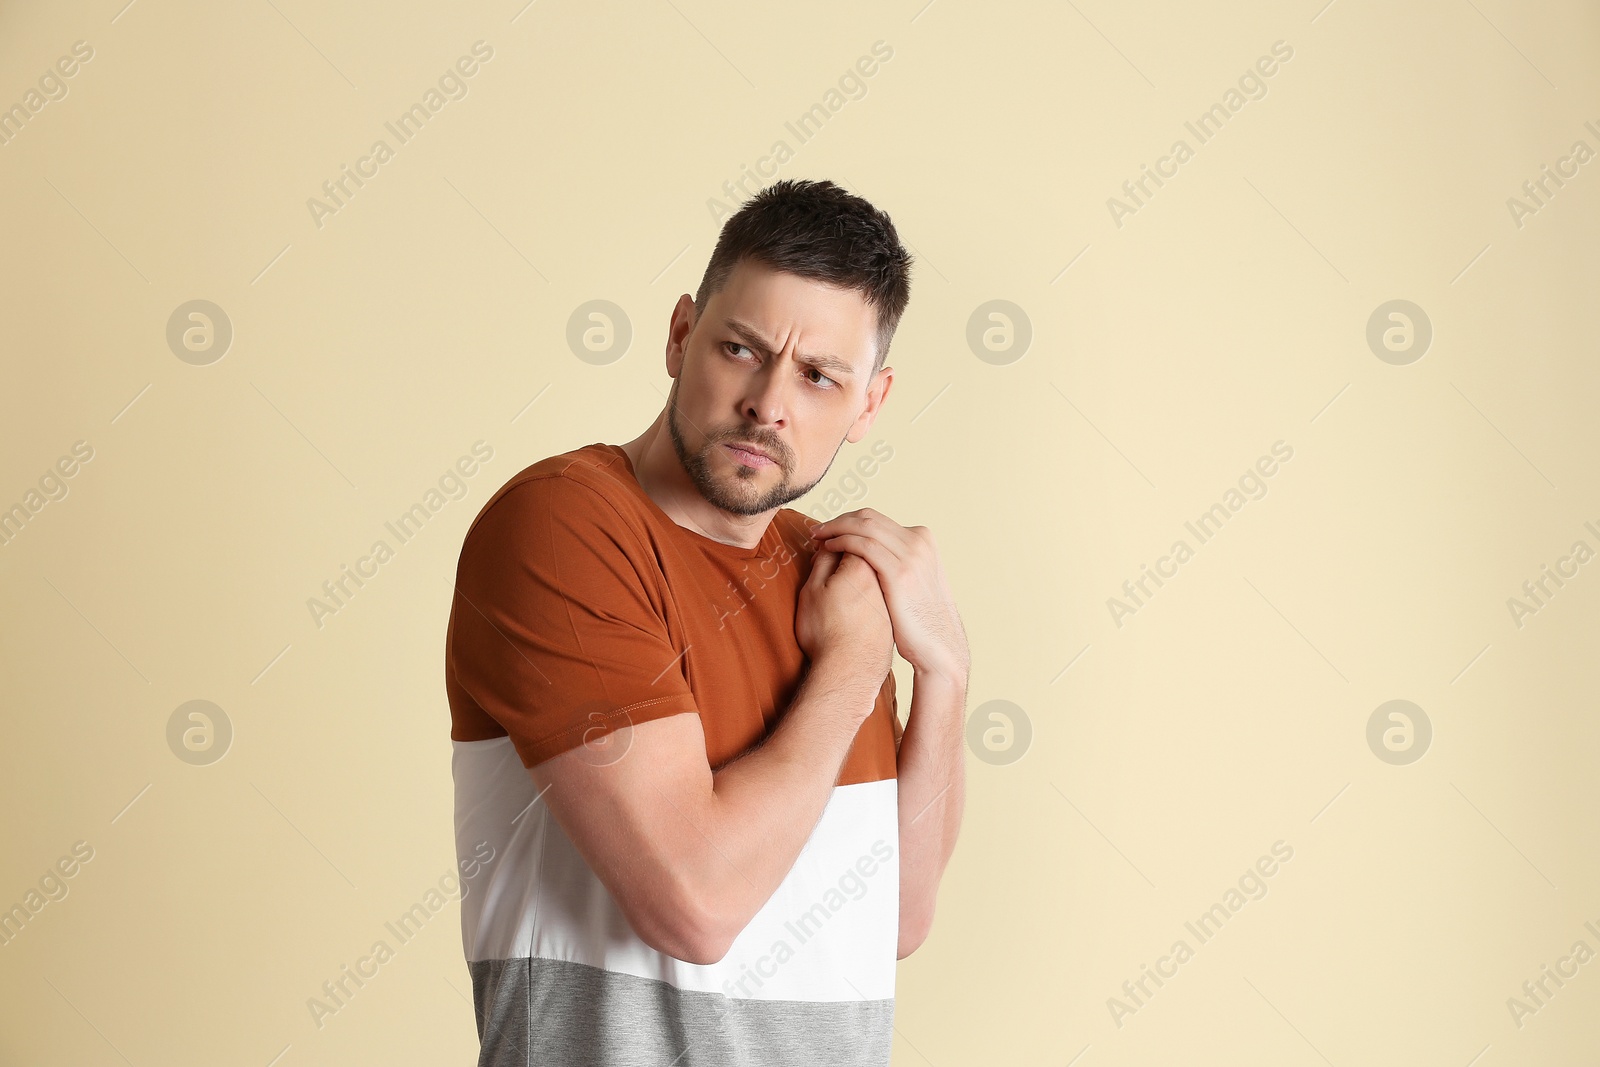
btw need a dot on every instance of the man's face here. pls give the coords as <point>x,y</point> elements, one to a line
<point>778,362</point>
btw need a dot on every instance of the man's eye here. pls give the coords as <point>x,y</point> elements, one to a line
<point>733,348</point>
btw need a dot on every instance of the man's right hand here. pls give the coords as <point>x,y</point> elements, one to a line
<point>842,617</point>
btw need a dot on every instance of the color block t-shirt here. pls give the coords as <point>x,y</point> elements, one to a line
<point>580,608</point>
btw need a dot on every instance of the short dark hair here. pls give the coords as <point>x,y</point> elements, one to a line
<point>817,230</point>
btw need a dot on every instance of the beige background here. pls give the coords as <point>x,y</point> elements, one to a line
<point>1167,354</point>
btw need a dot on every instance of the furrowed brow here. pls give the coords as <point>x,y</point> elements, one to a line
<point>751,339</point>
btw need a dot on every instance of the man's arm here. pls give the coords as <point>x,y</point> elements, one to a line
<point>929,634</point>
<point>690,855</point>
<point>932,773</point>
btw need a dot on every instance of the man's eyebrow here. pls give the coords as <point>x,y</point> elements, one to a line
<point>753,340</point>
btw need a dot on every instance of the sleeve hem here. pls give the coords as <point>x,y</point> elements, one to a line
<point>536,752</point>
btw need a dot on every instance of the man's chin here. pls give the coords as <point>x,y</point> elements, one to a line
<point>739,503</point>
<point>742,497</point>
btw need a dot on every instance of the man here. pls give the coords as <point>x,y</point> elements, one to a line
<point>695,830</point>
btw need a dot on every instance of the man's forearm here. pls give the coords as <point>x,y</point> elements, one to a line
<point>932,787</point>
<point>767,802</point>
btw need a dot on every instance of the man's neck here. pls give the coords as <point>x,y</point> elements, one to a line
<point>663,479</point>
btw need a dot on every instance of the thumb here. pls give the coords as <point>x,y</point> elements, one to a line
<point>823,563</point>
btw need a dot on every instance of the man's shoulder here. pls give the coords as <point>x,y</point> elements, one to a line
<point>586,480</point>
<point>793,529</point>
<point>791,515</point>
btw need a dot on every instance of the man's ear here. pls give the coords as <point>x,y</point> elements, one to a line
<point>877,393</point>
<point>679,329</point>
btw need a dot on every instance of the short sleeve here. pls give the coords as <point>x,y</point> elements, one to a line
<point>558,624</point>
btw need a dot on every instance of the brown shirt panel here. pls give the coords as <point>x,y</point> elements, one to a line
<point>581,607</point>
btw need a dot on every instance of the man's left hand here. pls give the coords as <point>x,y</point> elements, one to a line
<point>927,627</point>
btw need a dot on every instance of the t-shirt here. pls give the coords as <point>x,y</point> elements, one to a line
<point>581,607</point>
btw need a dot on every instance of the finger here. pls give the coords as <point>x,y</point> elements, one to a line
<point>896,541</point>
<point>868,523</point>
<point>823,563</point>
<point>883,560</point>
<point>854,567</point>
<point>862,579</point>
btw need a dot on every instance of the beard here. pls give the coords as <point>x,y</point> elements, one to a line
<point>738,492</point>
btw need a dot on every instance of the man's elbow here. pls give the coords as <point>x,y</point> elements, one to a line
<point>698,945</point>
<point>907,946</point>
<point>683,926</point>
<point>914,931</point>
<point>689,946</point>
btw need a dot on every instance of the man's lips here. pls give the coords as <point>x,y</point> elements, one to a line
<point>749,454</point>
